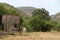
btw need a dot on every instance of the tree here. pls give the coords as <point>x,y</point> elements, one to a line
<point>42,13</point>
<point>38,20</point>
<point>48,26</point>
<point>57,26</point>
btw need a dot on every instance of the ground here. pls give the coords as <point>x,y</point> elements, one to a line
<point>34,36</point>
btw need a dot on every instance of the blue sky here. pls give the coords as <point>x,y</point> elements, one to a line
<point>53,6</point>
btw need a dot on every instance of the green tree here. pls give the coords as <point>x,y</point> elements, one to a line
<point>38,20</point>
<point>44,14</point>
<point>57,26</point>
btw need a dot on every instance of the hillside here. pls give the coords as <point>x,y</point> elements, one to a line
<point>8,9</point>
<point>27,10</point>
<point>56,17</point>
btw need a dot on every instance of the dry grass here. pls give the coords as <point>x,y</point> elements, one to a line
<point>34,36</point>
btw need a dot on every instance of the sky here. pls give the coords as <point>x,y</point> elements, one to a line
<point>53,6</point>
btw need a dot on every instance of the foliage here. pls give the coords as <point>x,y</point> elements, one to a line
<point>40,21</point>
<point>57,26</point>
<point>42,13</point>
<point>41,25</point>
<point>8,9</point>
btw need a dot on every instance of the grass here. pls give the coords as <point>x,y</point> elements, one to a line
<point>34,36</point>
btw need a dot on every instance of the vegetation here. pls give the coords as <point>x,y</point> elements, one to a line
<point>57,26</point>
<point>8,9</point>
<point>40,21</point>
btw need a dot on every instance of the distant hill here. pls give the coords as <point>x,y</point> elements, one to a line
<point>56,17</point>
<point>27,10</point>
